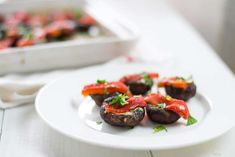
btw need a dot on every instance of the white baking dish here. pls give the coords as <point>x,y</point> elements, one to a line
<point>74,53</point>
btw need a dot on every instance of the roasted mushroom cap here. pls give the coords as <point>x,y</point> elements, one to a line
<point>99,98</point>
<point>180,93</point>
<point>139,84</point>
<point>161,115</point>
<point>127,119</point>
<point>138,88</point>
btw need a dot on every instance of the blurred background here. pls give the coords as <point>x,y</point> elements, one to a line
<point>214,20</point>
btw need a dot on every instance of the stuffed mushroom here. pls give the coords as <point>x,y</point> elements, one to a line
<point>166,110</point>
<point>102,89</point>
<point>123,111</point>
<point>139,84</point>
<point>179,87</point>
<point>85,23</point>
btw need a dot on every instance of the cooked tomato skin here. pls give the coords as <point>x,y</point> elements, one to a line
<point>110,87</point>
<point>137,77</point>
<point>99,92</point>
<point>173,81</point>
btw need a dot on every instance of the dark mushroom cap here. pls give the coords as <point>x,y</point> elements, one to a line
<point>139,84</point>
<point>127,119</point>
<point>99,98</point>
<point>180,93</point>
<point>161,115</point>
<point>138,88</point>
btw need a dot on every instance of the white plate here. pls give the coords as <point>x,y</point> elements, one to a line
<point>56,107</point>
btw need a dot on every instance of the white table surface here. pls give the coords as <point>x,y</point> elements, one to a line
<point>24,134</point>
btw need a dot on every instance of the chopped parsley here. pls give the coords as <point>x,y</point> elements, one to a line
<point>23,30</point>
<point>161,105</point>
<point>188,79</point>
<point>191,120</point>
<point>104,82</point>
<point>147,79</point>
<point>139,109</point>
<point>101,81</point>
<point>159,128</point>
<point>120,100</point>
<point>78,13</point>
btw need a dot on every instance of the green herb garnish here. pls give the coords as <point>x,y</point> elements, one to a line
<point>188,79</point>
<point>29,35</point>
<point>120,100</point>
<point>101,81</point>
<point>159,128</point>
<point>191,120</point>
<point>161,105</point>
<point>99,122</point>
<point>78,13</point>
<point>147,79</point>
<point>139,109</point>
<point>23,30</point>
